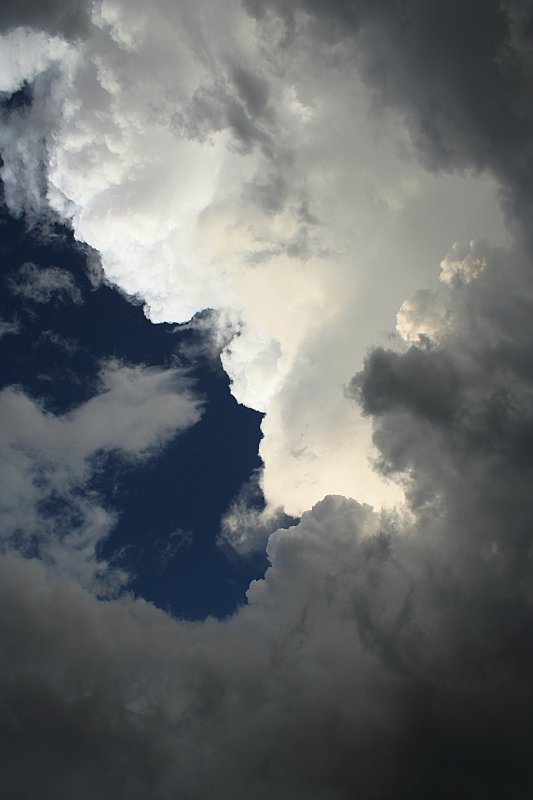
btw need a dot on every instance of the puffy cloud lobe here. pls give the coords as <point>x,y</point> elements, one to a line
<point>25,54</point>
<point>47,504</point>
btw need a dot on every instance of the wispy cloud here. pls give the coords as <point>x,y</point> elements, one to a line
<point>40,284</point>
<point>48,505</point>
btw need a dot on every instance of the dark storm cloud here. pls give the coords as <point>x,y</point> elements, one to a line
<point>452,412</point>
<point>419,381</point>
<point>367,664</point>
<point>463,80</point>
<point>463,400</point>
<point>453,418</point>
<point>459,71</point>
<point>70,18</point>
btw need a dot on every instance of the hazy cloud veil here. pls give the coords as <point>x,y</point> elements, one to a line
<point>294,166</point>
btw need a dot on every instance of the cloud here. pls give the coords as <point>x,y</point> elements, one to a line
<point>40,284</point>
<point>70,19</point>
<point>25,54</point>
<point>8,327</point>
<point>168,546</point>
<point>463,389</point>
<point>458,72</point>
<point>247,524</point>
<point>384,654</point>
<point>388,655</point>
<point>369,659</point>
<point>48,504</point>
<point>37,66</point>
<point>239,164</point>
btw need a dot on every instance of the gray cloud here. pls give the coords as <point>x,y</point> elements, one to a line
<point>453,411</point>
<point>458,71</point>
<point>369,660</point>
<point>70,18</point>
<point>218,161</point>
<point>452,419</point>
<point>25,129</point>
<point>40,284</point>
<point>383,655</point>
<point>47,504</point>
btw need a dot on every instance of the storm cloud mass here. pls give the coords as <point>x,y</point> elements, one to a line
<point>292,166</point>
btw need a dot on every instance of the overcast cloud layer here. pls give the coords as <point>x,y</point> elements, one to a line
<point>384,655</point>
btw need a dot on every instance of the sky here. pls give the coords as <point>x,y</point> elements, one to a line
<point>266,399</point>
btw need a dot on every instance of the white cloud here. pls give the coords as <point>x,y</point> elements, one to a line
<point>213,166</point>
<point>46,500</point>
<point>26,53</point>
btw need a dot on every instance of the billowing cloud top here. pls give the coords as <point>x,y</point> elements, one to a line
<point>221,159</point>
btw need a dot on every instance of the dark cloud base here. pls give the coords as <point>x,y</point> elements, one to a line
<point>377,665</point>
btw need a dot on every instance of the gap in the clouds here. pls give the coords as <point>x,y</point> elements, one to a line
<point>22,98</point>
<point>169,506</point>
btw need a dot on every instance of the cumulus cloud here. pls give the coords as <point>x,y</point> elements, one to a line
<point>48,506</point>
<point>463,389</point>
<point>25,54</point>
<point>219,160</point>
<point>383,654</point>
